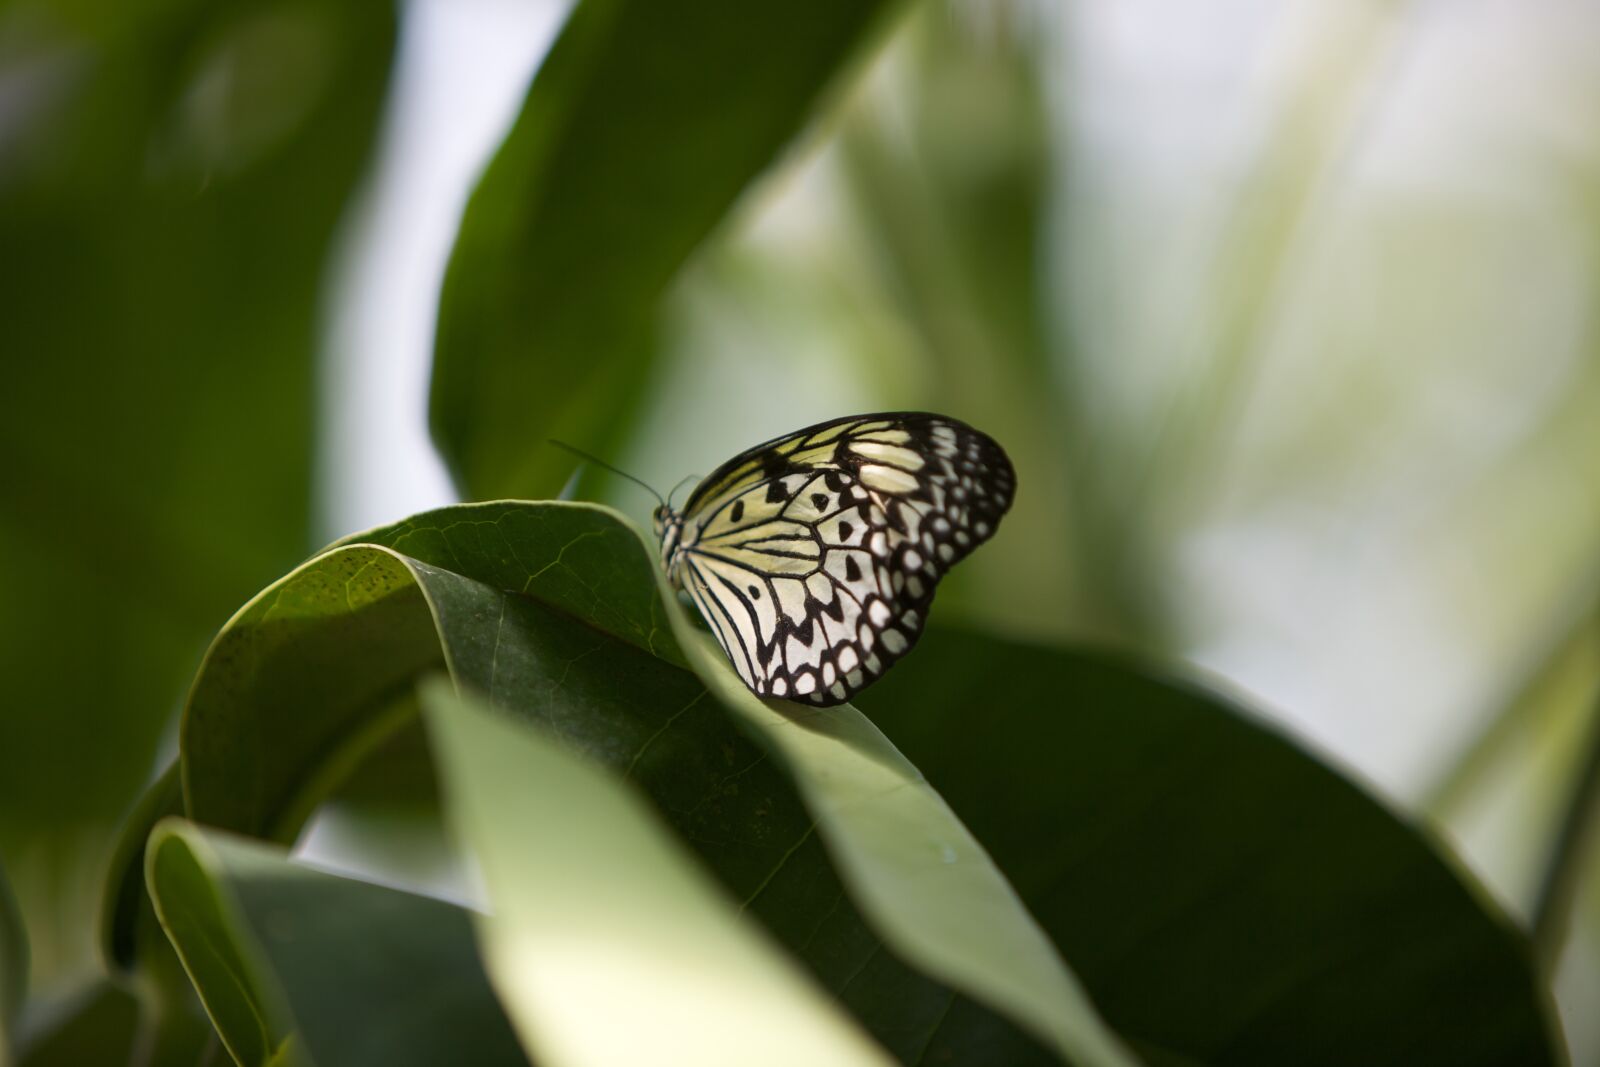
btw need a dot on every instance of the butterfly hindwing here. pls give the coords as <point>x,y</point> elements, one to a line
<point>814,557</point>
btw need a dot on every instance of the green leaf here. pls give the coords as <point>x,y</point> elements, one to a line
<point>301,683</point>
<point>171,187</point>
<point>1225,897</point>
<point>607,941</point>
<point>359,974</point>
<point>585,560</point>
<point>644,124</point>
<point>494,576</point>
<point>207,931</point>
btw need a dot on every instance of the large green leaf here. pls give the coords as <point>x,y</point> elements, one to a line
<point>644,124</point>
<point>608,943</point>
<point>170,183</point>
<point>549,609</point>
<point>297,965</point>
<point>1225,897</point>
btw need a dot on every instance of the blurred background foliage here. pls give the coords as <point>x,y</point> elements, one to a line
<point>1287,313</point>
<point>171,178</point>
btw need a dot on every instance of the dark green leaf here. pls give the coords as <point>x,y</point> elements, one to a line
<point>644,124</point>
<point>305,680</point>
<point>587,562</point>
<point>1226,898</point>
<point>363,974</point>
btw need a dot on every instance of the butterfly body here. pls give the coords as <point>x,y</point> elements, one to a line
<point>814,557</point>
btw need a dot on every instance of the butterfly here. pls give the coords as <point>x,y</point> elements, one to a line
<point>813,557</point>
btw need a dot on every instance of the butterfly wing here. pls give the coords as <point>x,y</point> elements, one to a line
<point>814,557</point>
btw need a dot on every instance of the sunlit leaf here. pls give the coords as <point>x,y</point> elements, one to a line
<point>607,941</point>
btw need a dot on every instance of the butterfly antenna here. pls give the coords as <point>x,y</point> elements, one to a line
<point>598,462</point>
<point>680,485</point>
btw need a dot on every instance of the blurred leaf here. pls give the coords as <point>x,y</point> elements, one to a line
<point>643,125</point>
<point>1514,797</point>
<point>13,966</point>
<point>170,181</point>
<point>366,974</point>
<point>127,927</point>
<point>1561,669</point>
<point>99,1026</point>
<point>1225,897</point>
<point>1571,849</point>
<point>607,941</point>
<point>947,170</point>
<point>253,765</point>
<point>135,948</point>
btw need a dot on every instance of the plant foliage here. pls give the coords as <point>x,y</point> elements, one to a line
<point>1010,852</point>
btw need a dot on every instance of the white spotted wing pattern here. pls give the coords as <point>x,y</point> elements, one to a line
<point>814,557</point>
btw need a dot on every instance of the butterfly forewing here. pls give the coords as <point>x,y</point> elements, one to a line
<point>814,557</point>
